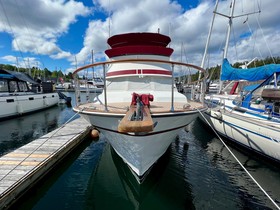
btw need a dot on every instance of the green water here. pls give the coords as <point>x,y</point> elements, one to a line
<point>197,172</point>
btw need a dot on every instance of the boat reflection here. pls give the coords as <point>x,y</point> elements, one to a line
<point>114,186</point>
<point>133,188</point>
<point>20,131</point>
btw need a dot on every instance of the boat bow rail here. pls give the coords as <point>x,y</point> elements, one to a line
<point>138,60</point>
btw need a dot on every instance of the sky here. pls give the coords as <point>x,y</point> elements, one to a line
<point>63,35</point>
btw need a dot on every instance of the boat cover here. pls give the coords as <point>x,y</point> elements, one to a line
<point>251,74</point>
<point>18,75</point>
<point>144,98</point>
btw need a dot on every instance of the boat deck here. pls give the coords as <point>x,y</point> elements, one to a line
<point>155,107</point>
<point>23,167</point>
<point>250,118</point>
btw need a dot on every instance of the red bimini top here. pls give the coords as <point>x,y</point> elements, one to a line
<point>139,43</point>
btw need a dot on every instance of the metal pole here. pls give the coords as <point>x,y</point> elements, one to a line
<point>77,86</point>
<point>105,88</point>
<point>208,38</point>
<point>227,41</point>
<point>172,90</point>
<point>77,90</point>
<point>203,83</point>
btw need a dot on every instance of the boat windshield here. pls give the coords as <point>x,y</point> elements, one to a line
<point>97,79</point>
<point>22,86</point>
<point>3,85</point>
<point>13,86</point>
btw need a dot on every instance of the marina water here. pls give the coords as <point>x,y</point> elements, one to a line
<point>197,172</point>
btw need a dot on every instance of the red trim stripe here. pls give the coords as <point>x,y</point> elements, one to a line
<point>139,72</point>
<point>136,50</point>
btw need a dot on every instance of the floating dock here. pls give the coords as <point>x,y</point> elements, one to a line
<point>25,166</point>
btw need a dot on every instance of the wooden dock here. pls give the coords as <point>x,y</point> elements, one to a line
<point>25,166</point>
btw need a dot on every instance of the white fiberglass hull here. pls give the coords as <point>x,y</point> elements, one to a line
<point>15,105</point>
<point>255,133</point>
<point>141,151</point>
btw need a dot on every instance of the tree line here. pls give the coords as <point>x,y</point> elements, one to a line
<point>44,74</point>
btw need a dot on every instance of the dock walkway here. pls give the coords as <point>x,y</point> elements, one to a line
<point>23,167</point>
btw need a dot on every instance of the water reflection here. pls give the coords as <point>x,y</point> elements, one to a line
<point>65,187</point>
<point>240,189</point>
<point>197,172</point>
<point>114,187</point>
<point>20,131</point>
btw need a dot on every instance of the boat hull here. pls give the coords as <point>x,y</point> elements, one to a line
<point>141,150</point>
<point>256,134</point>
<point>16,105</point>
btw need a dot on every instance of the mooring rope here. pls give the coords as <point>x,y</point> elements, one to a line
<point>275,204</point>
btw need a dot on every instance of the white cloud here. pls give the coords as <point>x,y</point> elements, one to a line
<point>37,31</point>
<point>27,62</point>
<point>95,40</point>
<point>61,55</point>
<point>9,58</point>
<point>127,16</point>
<point>191,27</point>
<point>188,27</point>
<point>69,70</point>
<point>35,44</point>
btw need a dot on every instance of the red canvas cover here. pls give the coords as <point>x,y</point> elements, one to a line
<point>144,98</point>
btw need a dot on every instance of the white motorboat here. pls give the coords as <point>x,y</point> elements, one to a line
<point>94,85</point>
<point>17,98</point>
<point>214,87</point>
<point>97,82</point>
<point>65,86</point>
<point>140,110</point>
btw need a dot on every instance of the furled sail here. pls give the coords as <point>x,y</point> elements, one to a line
<point>250,74</point>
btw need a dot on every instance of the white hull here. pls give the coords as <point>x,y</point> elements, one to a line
<point>140,152</point>
<point>15,105</point>
<point>260,135</point>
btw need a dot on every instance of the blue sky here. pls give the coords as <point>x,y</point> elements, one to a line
<point>55,34</point>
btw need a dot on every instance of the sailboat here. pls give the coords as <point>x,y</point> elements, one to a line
<point>252,119</point>
<point>140,110</point>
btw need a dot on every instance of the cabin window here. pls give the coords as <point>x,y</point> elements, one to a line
<point>22,86</point>
<point>13,86</point>
<point>97,79</point>
<point>3,85</point>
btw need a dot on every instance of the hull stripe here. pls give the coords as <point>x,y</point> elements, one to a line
<point>238,127</point>
<point>139,72</point>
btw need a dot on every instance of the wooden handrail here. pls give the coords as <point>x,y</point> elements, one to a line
<point>138,60</point>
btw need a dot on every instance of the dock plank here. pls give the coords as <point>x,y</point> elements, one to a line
<point>23,167</point>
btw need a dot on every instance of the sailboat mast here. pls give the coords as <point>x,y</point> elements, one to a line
<point>208,38</point>
<point>17,64</point>
<point>92,61</point>
<point>203,85</point>
<point>229,29</point>
<point>230,17</point>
